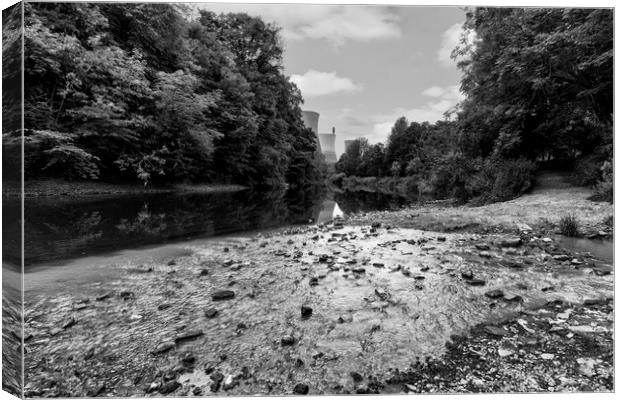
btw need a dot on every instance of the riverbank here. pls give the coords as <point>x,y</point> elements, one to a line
<point>57,188</point>
<point>343,307</point>
<point>539,211</point>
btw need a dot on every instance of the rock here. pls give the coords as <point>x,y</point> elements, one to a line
<point>476,282</point>
<point>68,323</point>
<point>162,348</point>
<point>511,242</point>
<point>188,358</point>
<point>424,269</point>
<point>301,388</point>
<point>484,254</point>
<point>223,295</point>
<point>357,377</point>
<point>345,318</point>
<point>381,293</point>
<point>306,312</point>
<point>104,296</point>
<point>496,331</point>
<point>467,275</point>
<point>187,335</point>
<point>547,240</point>
<point>314,281</point>
<point>594,302</point>
<point>359,270</point>
<point>482,246</point>
<point>203,272</point>
<point>378,265</point>
<point>197,391</point>
<point>217,377</point>
<point>513,297</point>
<point>211,313</point>
<point>523,227</point>
<point>376,225</point>
<point>441,238</point>
<point>125,295</point>
<point>547,356</point>
<point>230,382</point>
<point>561,257</point>
<point>287,340</point>
<point>494,294</point>
<point>163,306</point>
<point>169,387</point>
<point>505,352</point>
<point>602,270</point>
<point>216,381</point>
<point>172,262</point>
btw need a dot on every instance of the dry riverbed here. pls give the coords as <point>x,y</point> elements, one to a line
<point>335,308</point>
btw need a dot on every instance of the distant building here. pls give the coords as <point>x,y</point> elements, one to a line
<point>326,141</point>
<point>348,143</point>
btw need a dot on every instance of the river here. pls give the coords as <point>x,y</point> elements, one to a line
<point>58,229</point>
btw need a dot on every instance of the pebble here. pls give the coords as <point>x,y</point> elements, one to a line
<point>223,295</point>
<point>301,388</point>
<point>306,312</point>
<point>162,348</point>
<point>211,313</point>
<point>190,334</point>
<point>494,294</point>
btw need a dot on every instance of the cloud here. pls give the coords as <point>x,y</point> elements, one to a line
<point>315,83</point>
<point>443,99</point>
<point>451,39</point>
<point>449,92</point>
<point>336,24</point>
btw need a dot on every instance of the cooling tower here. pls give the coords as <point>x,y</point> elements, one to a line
<point>311,120</point>
<point>328,147</point>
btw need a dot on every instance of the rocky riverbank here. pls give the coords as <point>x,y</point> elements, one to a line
<point>344,307</point>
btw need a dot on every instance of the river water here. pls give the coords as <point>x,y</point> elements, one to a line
<point>58,229</point>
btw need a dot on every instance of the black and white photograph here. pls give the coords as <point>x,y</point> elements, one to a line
<point>286,199</point>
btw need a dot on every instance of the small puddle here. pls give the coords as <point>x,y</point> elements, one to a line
<point>601,249</point>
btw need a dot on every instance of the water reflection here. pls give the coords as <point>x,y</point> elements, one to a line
<point>63,228</point>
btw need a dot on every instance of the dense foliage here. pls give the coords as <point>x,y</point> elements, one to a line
<point>143,92</point>
<point>539,91</point>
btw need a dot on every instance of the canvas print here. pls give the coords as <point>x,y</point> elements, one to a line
<point>228,199</point>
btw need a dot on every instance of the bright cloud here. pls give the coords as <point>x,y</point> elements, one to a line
<point>444,99</point>
<point>316,83</point>
<point>451,38</point>
<point>336,24</point>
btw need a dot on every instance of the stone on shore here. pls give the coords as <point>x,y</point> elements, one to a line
<point>223,295</point>
<point>511,242</point>
<point>301,388</point>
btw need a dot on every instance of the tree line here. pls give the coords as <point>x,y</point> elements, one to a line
<point>539,92</point>
<point>151,93</point>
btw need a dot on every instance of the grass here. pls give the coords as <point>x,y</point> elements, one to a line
<point>569,226</point>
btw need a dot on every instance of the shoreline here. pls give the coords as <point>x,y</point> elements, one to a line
<point>62,189</point>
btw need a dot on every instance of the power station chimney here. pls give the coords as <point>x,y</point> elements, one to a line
<point>333,130</point>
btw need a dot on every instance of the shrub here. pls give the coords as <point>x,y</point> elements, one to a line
<point>604,189</point>
<point>569,226</point>
<point>501,180</point>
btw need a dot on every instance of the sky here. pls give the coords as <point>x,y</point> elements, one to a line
<point>362,67</point>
